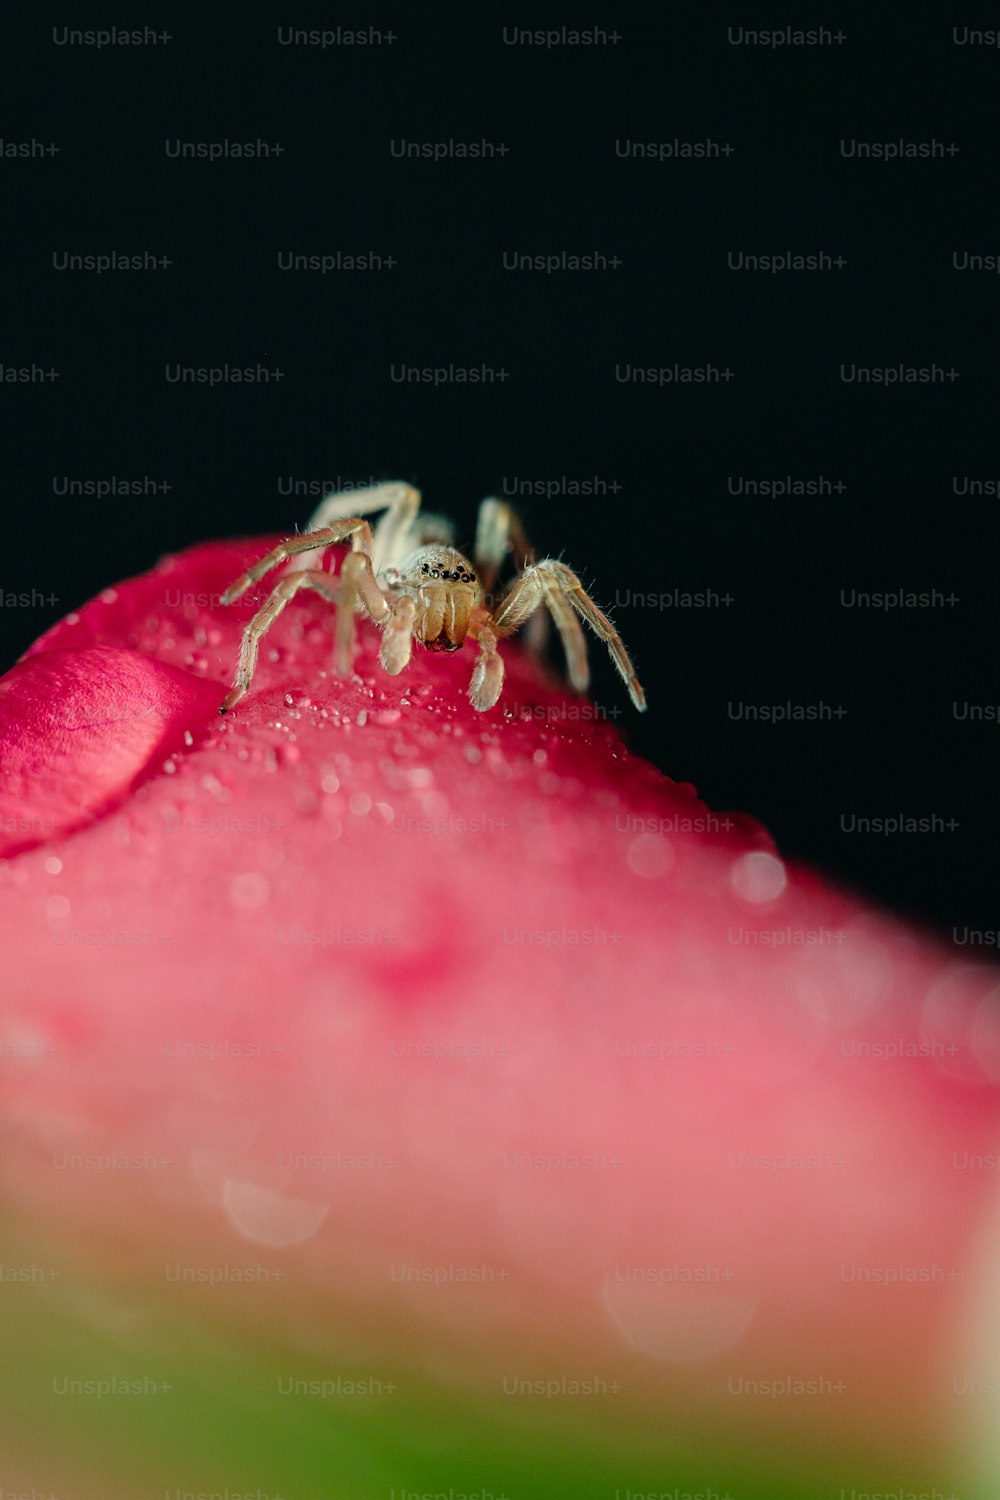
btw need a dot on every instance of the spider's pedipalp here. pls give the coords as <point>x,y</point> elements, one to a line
<point>545,580</point>
<point>397,636</point>
<point>488,673</point>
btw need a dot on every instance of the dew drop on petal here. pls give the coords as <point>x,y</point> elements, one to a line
<point>650,855</point>
<point>268,1218</point>
<point>758,877</point>
<point>678,1323</point>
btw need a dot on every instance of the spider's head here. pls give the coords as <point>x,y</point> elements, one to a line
<point>445,588</point>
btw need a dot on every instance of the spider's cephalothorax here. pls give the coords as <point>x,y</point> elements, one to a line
<point>444,586</point>
<point>409,579</point>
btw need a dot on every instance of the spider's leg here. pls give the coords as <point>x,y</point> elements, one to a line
<point>498,531</point>
<point>400,503</point>
<point>545,581</point>
<point>265,617</point>
<point>570,632</point>
<point>361,540</point>
<point>357,589</point>
<point>488,673</point>
<point>431,527</point>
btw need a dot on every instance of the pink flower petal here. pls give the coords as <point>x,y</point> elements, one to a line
<point>367,980</point>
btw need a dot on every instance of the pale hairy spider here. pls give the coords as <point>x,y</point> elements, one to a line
<point>409,579</point>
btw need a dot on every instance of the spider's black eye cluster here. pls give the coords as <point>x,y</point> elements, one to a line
<point>457,575</point>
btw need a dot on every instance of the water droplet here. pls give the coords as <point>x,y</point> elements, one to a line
<point>53,865</point>
<point>188,738</point>
<point>360,804</point>
<point>650,855</point>
<point>758,877</point>
<point>265,1217</point>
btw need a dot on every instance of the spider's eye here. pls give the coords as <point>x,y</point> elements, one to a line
<point>426,567</point>
<point>434,572</point>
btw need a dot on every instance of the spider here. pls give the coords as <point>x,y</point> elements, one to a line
<point>409,579</point>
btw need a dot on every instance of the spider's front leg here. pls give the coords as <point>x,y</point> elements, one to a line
<point>265,617</point>
<point>355,586</point>
<point>359,531</point>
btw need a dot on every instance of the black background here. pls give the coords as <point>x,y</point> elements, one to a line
<point>667,456</point>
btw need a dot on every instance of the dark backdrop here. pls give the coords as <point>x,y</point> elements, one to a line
<point>872,148</point>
